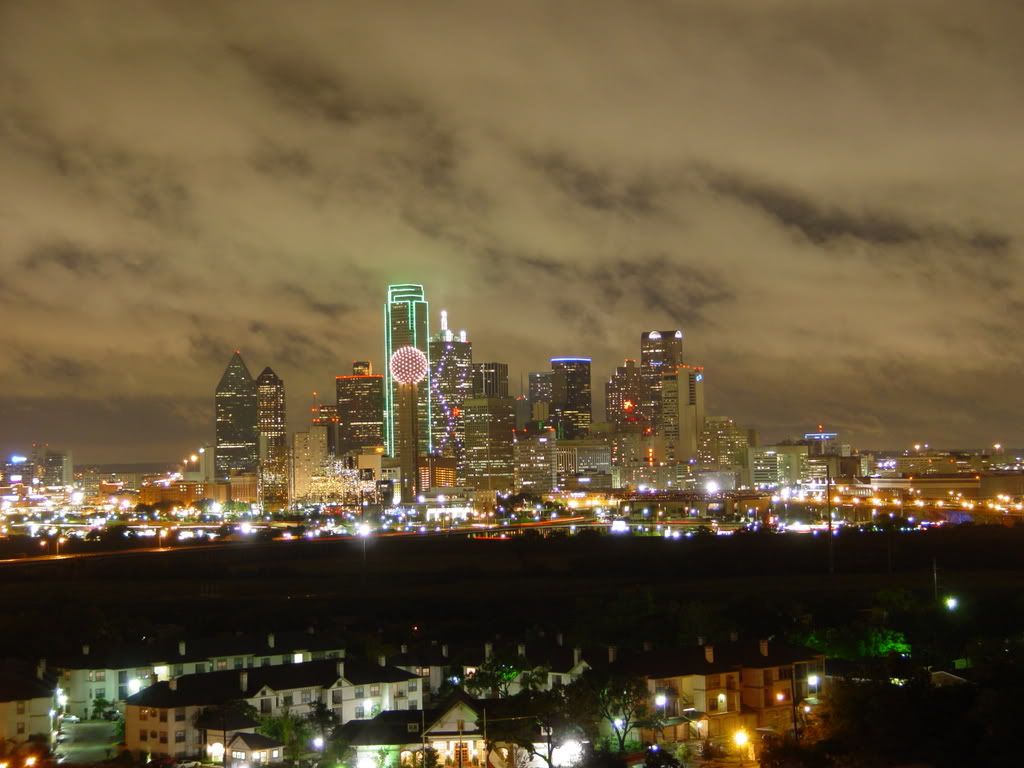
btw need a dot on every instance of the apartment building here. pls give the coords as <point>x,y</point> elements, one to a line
<point>27,704</point>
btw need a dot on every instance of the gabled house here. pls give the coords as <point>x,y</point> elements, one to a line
<point>27,704</point>
<point>250,749</point>
<point>457,729</point>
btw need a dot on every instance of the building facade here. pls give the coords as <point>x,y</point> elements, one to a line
<point>622,395</point>
<point>272,419</point>
<point>490,430</point>
<point>661,352</point>
<point>572,405</point>
<point>360,409</point>
<point>237,427</point>
<point>406,323</point>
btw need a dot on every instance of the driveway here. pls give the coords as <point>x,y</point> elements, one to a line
<point>89,742</point>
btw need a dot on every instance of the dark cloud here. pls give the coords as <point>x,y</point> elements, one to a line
<point>787,181</point>
<point>823,224</point>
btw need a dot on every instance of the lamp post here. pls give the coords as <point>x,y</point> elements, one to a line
<point>661,701</point>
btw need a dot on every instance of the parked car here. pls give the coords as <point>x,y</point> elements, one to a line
<point>187,764</point>
<point>71,718</point>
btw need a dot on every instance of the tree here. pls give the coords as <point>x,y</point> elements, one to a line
<point>619,700</point>
<point>293,732</point>
<point>496,676</point>
<point>549,723</point>
<point>322,720</point>
<point>100,707</point>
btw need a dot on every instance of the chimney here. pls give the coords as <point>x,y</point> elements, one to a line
<point>405,648</point>
<point>85,649</point>
<point>709,654</point>
<point>764,647</point>
<point>270,640</point>
<point>181,647</point>
<point>577,654</point>
<point>341,668</point>
<point>382,660</point>
<point>521,650</point>
<point>444,650</point>
<point>488,650</point>
<point>647,646</point>
<point>243,680</point>
<point>613,653</point>
<point>559,639</point>
<point>173,683</point>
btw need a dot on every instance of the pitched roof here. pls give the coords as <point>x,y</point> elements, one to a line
<point>19,682</point>
<point>255,741</point>
<point>211,688</point>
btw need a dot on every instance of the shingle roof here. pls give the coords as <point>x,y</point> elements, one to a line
<point>213,688</point>
<point>19,682</point>
<point>255,741</point>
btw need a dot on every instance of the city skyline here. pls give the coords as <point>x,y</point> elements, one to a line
<point>832,226</point>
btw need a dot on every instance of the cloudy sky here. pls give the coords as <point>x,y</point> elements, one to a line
<point>826,197</point>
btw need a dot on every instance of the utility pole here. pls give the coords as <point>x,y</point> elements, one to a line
<point>935,579</point>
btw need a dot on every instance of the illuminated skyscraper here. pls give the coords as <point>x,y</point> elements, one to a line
<point>540,394</point>
<point>237,448</point>
<point>682,412</point>
<point>406,324</point>
<point>490,380</point>
<point>451,384</point>
<point>660,353</point>
<point>273,440</point>
<point>362,368</point>
<point>723,444</point>
<point>360,409</point>
<point>622,395</point>
<point>570,397</point>
<point>490,431</point>
<point>409,368</point>
<point>536,468</point>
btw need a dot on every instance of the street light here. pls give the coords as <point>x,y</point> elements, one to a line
<point>951,603</point>
<point>741,739</point>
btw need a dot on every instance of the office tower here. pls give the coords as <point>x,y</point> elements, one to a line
<point>682,412</point>
<point>535,462</point>
<point>326,415</point>
<point>660,353</point>
<point>622,395</point>
<point>570,395</point>
<point>723,444</point>
<point>406,324</point>
<point>237,448</point>
<point>451,384</point>
<point>490,380</point>
<point>360,411</point>
<point>490,430</point>
<point>524,414</point>
<point>273,440</point>
<point>409,368</point>
<point>53,468</point>
<point>309,456</point>
<point>362,368</point>
<point>540,387</point>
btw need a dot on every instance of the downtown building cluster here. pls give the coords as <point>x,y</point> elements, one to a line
<point>458,429</point>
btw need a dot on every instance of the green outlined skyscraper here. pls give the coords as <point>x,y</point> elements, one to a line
<point>406,323</point>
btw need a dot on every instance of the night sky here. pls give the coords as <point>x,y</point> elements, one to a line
<point>826,197</point>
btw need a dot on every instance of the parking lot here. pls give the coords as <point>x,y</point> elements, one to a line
<point>88,742</point>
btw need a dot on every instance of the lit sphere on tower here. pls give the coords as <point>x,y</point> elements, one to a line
<point>409,365</point>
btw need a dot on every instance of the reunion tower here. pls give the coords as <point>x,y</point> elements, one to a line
<point>408,368</point>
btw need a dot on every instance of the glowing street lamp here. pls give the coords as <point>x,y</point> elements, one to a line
<point>951,603</point>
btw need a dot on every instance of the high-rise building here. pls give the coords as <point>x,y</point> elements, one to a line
<point>660,353</point>
<point>570,395</point>
<point>326,415</point>
<point>406,324</point>
<point>408,367</point>
<point>451,384</point>
<point>723,444</point>
<point>362,368</point>
<point>273,440</point>
<point>360,410</point>
<point>309,455</point>
<point>536,469</point>
<point>490,430</point>
<point>53,468</point>
<point>237,448</point>
<point>490,380</point>
<point>682,412</point>
<point>622,395</point>
<point>540,387</point>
